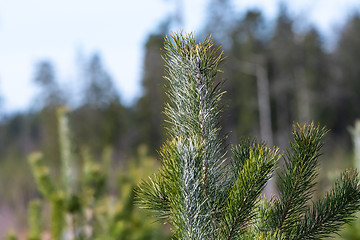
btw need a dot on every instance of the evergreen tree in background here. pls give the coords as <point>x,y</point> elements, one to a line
<point>346,71</point>
<point>220,18</point>
<point>150,105</point>
<point>99,87</point>
<point>283,58</point>
<point>204,195</point>
<point>105,116</point>
<point>50,97</point>
<point>310,75</point>
<point>248,54</point>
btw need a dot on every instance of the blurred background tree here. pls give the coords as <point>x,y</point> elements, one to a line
<point>50,97</point>
<point>100,108</point>
<point>150,106</point>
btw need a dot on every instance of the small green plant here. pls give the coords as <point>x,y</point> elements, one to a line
<point>203,194</point>
<point>11,236</point>
<point>80,206</point>
<point>34,220</point>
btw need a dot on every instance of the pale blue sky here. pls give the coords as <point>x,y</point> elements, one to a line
<point>61,31</point>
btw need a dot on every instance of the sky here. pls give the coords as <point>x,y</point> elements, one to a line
<point>66,31</point>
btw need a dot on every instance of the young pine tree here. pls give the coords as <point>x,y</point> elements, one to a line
<point>204,195</point>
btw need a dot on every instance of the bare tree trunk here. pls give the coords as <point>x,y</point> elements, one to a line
<point>263,95</point>
<point>258,70</point>
<point>355,133</point>
<point>264,104</point>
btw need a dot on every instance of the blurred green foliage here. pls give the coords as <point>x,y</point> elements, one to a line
<point>81,203</point>
<point>352,230</point>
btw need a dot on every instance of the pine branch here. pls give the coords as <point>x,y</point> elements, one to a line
<point>327,215</point>
<point>296,182</point>
<point>262,236</point>
<point>154,192</point>
<point>264,214</point>
<point>241,154</point>
<point>251,180</point>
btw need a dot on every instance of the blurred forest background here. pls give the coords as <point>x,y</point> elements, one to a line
<point>275,74</point>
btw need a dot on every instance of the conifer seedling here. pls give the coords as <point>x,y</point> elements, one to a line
<point>203,194</point>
